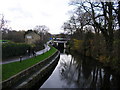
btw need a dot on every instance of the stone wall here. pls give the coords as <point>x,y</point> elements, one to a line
<point>40,69</point>
<point>39,76</point>
<point>33,37</point>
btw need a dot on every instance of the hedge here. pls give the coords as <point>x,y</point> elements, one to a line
<point>11,49</point>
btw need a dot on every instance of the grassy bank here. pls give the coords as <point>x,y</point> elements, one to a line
<point>11,69</point>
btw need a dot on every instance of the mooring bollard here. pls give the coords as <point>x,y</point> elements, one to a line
<point>20,58</point>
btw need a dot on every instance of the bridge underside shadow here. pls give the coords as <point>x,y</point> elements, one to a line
<point>60,43</point>
<point>60,46</point>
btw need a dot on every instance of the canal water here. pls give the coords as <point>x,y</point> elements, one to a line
<point>76,71</point>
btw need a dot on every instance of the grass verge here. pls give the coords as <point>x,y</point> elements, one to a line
<point>11,69</point>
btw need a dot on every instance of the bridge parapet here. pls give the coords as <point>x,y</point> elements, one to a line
<point>60,42</point>
<point>61,39</point>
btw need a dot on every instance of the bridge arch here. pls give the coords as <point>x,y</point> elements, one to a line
<point>60,42</point>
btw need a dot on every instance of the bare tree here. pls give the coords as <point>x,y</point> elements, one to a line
<point>102,17</point>
<point>2,22</point>
<point>119,14</point>
<point>77,22</point>
<point>41,30</point>
<point>68,27</point>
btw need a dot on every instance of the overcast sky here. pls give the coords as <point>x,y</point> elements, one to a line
<point>26,14</point>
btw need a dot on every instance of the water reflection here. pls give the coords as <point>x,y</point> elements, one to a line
<point>76,71</point>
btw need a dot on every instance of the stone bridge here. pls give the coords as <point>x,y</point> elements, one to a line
<point>60,42</point>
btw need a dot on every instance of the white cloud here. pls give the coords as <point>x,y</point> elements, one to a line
<point>26,14</point>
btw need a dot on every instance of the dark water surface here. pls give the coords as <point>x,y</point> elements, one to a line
<point>76,71</point>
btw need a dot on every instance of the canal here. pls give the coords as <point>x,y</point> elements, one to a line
<point>77,71</point>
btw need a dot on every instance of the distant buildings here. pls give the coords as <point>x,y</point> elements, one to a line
<point>31,37</point>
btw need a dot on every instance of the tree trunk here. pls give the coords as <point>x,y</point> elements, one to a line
<point>110,31</point>
<point>119,14</point>
<point>109,47</point>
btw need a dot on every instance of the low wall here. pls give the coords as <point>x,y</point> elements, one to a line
<point>11,82</point>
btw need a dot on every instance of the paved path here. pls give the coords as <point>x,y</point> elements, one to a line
<point>47,48</point>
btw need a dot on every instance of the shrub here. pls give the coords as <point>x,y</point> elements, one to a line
<point>39,45</point>
<point>77,45</point>
<point>11,49</point>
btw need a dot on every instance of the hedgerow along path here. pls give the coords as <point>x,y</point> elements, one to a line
<point>13,68</point>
